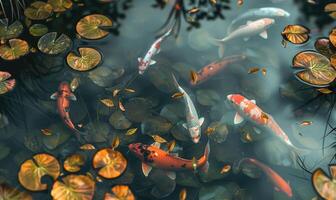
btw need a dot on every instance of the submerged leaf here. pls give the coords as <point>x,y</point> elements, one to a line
<point>87,59</point>
<point>107,102</point>
<point>296,34</point>
<point>92,26</point>
<point>111,163</point>
<point>131,131</point>
<point>14,50</point>
<point>324,47</point>
<point>51,44</point>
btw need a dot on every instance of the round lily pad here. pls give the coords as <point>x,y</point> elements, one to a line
<point>87,59</point>
<point>38,30</point>
<point>38,10</point>
<point>92,26</point>
<point>60,5</point>
<point>10,31</point>
<point>7,192</point>
<point>324,47</point>
<point>51,44</point>
<point>6,84</point>
<point>14,50</point>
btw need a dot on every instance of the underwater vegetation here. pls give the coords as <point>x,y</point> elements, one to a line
<point>167,99</point>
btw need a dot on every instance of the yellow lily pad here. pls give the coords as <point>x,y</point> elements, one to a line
<point>74,187</point>
<point>32,170</point>
<point>38,10</point>
<point>74,163</point>
<point>91,26</point>
<point>120,192</point>
<point>87,59</point>
<point>38,30</point>
<point>14,50</point>
<point>60,5</point>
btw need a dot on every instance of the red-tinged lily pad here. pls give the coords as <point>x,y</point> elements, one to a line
<point>324,47</point>
<point>313,68</point>
<point>325,185</point>
<point>5,84</point>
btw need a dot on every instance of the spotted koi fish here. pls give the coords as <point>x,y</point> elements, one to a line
<point>278,182</point>
<point>247,109</point>
<point>193,124</point>
<point>145,62</point>
<point>152,156</point>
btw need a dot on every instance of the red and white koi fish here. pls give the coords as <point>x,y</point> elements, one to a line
<point>153,156</point>
<point>278,182</point>
<point>215,67</point>
<point>145,62</point>
<point>63,97</point>
<point>247,109</point>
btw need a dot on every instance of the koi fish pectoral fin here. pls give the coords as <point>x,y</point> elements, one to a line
<point>205,167</point>
<point>54,96</point>
<point>72,97</point>
<point>185,125</point>
<point>277,189</point>
<point>152,62</point>
<point>171,175</point>
<point>146,169</point>
<point>139,59</point>
<point>238,119</point>
<point>254,101</point>
<point>264,34</point>
<point>200,121</point>
<point>156,144</point>
<point>258,131</point>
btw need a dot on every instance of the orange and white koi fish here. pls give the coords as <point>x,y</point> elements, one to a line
<point>215,67</point>
<point>145,62</point>
<point>63,97</point>
<point>152,156</point>
<point>247,109</point>
<point>278,182</point>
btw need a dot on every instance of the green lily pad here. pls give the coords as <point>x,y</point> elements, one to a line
<point>38,30</point>
<point>10,31</point>
<point>51,44</point>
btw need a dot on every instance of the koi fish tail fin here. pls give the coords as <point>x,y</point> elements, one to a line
<point>168,32</point>
<point>206,155</point>
<point>220,44</point>
<point>300,151</point>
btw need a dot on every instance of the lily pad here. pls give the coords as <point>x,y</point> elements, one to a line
<point>74,163</point>
<point>207,97</point>
<point>9,193</point>
<point>87,59</point>
<point>53,45</point>
<point>314,68</point>
<point>60,5</point>
<point>92,26</point>
<point>111,163</point>
<point>6,84</point>
<point>332,37</point>
<point>74,187</point>
<point>10,31</point>
<point>325,185</point>
<point>120,192</point>
<point>296,34</point>
<point>38,10</point>
<point>324,47</point>
<point>38,30</point>
<point>14,50</point>
<point>119,121</point>
<point>32,170</point>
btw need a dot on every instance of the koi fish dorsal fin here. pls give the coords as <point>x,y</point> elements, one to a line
<point>238,119</point>
<point>185,125</point>
<point>254,101</point>
<point>139,59</point>
<point>249,22</point>
<point>171,175</point>
<point>54,96</point>
<point>146,169</point>
<point>200,121</point>
<point>277,189</point>
<point>264,34</point>
<point>152,62</point>
<point>72,97</point>
<point>156,144</point>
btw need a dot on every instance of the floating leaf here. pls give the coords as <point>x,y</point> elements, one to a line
<point>38,30</point>
<point>38,10</point>
<point>60,5</point>
<point>306,123</point>
<point>115,142</point>
<point>131,131</point>
<point>324,185</point>
<point>50,44</point>
<point>74,84</point>
<point>171,145</point>
<point>264,71</point>
<point>115,92</point>
<point>87,59</point>
<point>331,9</point>
<point>120,192</point>
<point>10,31</point>
<point>324,47</point>
<point>74,163</point>
<point>193,10</point>
<point>324,90</point>
<point>6,84</point>
<point>73,187</point>
<point>296,34</point>
<point>32,170</point>
<point>14,50</point>
<point>177,95</point>
<point>253,70</point>
<point>46,132</point>
<point>315,69</point>
<point>93,26</point>
<point>111,164</point>
<point>107,102</point>
<point>159,139</point>
<point>332,37</point>
<point>225,169</point>
<point>129,90</point>
<point>193,77</point>
<point>121,106</point>
<point>9,193</point>
<point>87,147</point>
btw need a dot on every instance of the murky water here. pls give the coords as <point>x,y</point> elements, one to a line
<point>140,108</point>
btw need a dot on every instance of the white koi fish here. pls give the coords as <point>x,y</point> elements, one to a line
<point>145,62</point>
<point>247,109</point>
<point>193,124</point>
<point>252,28</point>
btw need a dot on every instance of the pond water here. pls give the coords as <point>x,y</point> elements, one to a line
<point>76,145</point>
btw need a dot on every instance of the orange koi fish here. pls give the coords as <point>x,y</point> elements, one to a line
<point>63,97</point>
<point>153,156</point>
<point>278,182</point>
<point>215,67</point>
<point>247,109</point>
